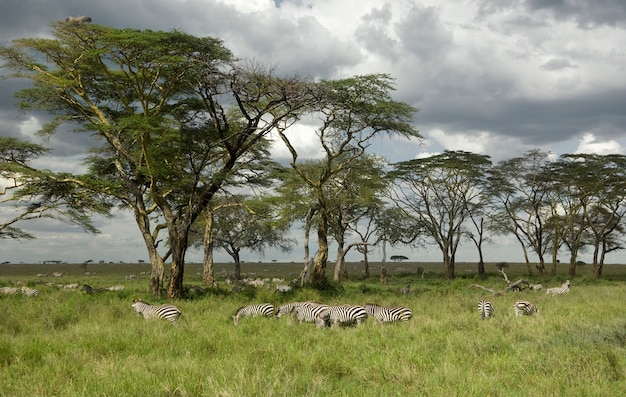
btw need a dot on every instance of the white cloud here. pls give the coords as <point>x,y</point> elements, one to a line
<point>589,144</point>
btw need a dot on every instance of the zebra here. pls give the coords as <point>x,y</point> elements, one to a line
<point>341,315</point>
<point>535,287</point>
<point>9,290</point>
<point>388,314</point>
<point>30,292</point>
<point>287,308</point>
<point>485,308</point>
<point>165,311</point>
<point>524,308</point>
<point>308,311</point>
<point>262,309</point>
<point>559,290</point>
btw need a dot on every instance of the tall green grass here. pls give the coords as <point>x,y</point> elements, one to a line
<point>72,344</point>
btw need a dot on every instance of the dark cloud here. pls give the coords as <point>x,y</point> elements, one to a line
<point>587,14</point>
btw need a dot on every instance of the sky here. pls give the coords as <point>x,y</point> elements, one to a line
<point>492,77</point>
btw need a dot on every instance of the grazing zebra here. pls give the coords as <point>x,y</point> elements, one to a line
<point>388,314</point>
<point>30,292</point>
<point>343,315</point>
<point>559,290</point>
<point>308,311</point>
<point>9,290</point>
<point>165,311</point>
<point>485,308</point>
<point>287,308</point>
<point>524,308</point>
<point>263,309</point>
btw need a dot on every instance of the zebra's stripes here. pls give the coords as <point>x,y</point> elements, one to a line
<point>287,308</point>
<point>165,311</point>
<point>30,292</point>
<point>524,308</point>
<point>344,315</point>
<point>485,308</point>
<point>559,290</point>
<point>263,309</point>
<point>9,290</point>
<point>308,311</point>
<point>388,314</point>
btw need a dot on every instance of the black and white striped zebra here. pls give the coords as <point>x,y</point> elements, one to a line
<point>30,292</point>
<point>524,308</point>
<point>388,314</point>
<point>262,309</point>
<point>164,311</point>
<point>344,315</point>
<point>308,311</point>
<point>485,308</point>
<point>564,288</point>
<point>287,308</point>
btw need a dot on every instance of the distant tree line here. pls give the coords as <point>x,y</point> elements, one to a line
<point>182,131</point>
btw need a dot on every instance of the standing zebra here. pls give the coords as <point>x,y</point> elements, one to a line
<point>262,309</point>
<point>524,308</point>
<point>165,311</point>
<point>485,308</point>
<point>388,314</point>
<point>341,315</point>
<point>308,311</point>
<point>559,290</point>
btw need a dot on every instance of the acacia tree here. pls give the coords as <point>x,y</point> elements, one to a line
<point>37,193</point>
<point>521,191</point>
<point>241,222</point>
<point>353,194</point>
<point>438,193</point>
<point>591,191</point>
<point>161,106</point>
<point>352,112</point>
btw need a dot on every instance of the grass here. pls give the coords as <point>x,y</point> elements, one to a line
<point>68,343</point>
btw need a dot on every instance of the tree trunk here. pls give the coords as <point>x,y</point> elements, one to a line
<point>157,267</point>
<point>208,273</point>
<point>178,244</point>
<point>338,262</point>
<point>383,267</point>
<point>306,272</point>
<point>449,266</point>
<point>572,266</point>
<point>237,259</point>
<point>319,269</point>
<point>366,263</point>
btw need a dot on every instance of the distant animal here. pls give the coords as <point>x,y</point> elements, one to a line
<point>388,314</point>
<point>164,312</point>
<point>559,290</point>
<point>262,309</point>
<point>9,290</point>
<point>524,308</point>
<point>535,287</point>
<point>406,290</point>
<point>344,315</point>
<point>485,309</point>
<point>30,292</point>
<point>78,20</point>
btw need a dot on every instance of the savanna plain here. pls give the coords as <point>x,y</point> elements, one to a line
<point>65,342</point>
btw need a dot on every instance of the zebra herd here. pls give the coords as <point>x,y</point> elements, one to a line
<point>26,291</point>
<point>521,307</point>
<point>325,315</point>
